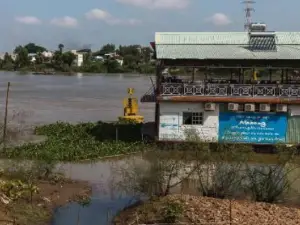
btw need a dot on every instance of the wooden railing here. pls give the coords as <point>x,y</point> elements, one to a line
<point>237,90</point>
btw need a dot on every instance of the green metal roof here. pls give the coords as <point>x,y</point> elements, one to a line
<point>202,38</point>
<point>224,52</point>
<point>223,45</point>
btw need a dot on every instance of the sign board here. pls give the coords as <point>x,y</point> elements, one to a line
<point>256,128</point>
<point>169,126</point>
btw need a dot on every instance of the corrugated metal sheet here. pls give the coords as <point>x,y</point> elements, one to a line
<point>293,130</point>
<point>287,38</point>
<point>236,38</point>
<point>224,52</point>
<point>202,38</point>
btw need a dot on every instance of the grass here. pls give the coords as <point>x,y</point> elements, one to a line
<point>156,210</point>
<point>68,142</point>
<point>25,213</point>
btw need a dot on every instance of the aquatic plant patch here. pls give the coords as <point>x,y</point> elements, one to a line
<point>71,142</point>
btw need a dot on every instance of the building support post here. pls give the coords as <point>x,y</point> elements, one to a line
<point>193,75</point>
<point>157,93</point>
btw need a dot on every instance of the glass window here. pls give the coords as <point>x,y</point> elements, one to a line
<point>192,118</point>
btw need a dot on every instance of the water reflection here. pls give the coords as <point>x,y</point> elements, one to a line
<point>106,201</point>
<point>108,197</point>
<point>102,210</point>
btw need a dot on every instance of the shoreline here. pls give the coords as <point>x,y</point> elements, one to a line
<point>43,204</point>
<point>56,73</point>
<point>185,209</point>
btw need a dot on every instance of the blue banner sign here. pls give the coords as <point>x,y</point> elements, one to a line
<point>256,128</point>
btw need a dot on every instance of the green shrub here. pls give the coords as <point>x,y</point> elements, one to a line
<point>172,211</point>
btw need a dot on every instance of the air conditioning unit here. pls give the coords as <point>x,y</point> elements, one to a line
<point>264,107</point>
<point>281,108</point>
<point>250,107</point>
<point>233,107</point>
<point>210,106</point>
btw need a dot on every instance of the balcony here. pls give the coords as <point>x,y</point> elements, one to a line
<point>231,90</point>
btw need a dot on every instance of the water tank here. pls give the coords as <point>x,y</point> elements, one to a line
<point>258,27</point>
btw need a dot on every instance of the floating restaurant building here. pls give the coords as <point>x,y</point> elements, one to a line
<point>240,87</point>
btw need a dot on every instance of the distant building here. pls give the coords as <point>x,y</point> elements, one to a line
<point>84,51</point>
<point>2,56</point>
<point>100,58</point>
<point>115,56</point>
<point>120,61</point>
<point>32,57</point>
<point>79,58</point>
<point>13,56</point>
<point>47,54</point>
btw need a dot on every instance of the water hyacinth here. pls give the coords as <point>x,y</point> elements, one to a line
<point>71,142</point>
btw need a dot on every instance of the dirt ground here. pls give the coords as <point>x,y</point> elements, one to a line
<point>211,211</point>
<point>39,212</point>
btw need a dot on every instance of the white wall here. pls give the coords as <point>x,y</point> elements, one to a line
<point>79,59</point>
<point>172,112</point>
<point>294,110</point>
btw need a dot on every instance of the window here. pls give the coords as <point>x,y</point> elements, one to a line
<point>192,118</point>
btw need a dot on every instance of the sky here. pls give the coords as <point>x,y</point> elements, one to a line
<point>92,23</point>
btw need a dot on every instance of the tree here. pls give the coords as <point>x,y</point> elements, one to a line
<point>112,66</point>
<point>108,48</point>
<point>134,50</point>
<point>33,48</point>
<point>22,59</point>
<point>57,58</point>
<point>7,58</point>
<point>68,58</point>
<point>39,58</point>
<point>131,62</point>
<point>146,54</point>
<point>7,63</point>
<point>18,49</point>
<point>61,47</point>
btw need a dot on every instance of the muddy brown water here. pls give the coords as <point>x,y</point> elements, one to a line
<point>107,200</point>
<point>46,99</point>
<point>82,97</point>
<point>41,99</point>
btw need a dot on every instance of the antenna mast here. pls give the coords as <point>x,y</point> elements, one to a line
<point>249,9</point>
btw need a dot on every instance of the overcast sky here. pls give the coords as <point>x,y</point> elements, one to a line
<point>81,23</point>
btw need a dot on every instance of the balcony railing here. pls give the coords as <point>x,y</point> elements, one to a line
<point>237,90</point>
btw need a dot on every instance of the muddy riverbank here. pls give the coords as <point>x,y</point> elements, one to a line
<point>43,204</point>
<point>187,209</point>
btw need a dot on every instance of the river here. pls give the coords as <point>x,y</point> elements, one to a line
<point>40,99</point>
<point>108,199</point>
<point>46,99</point>
<point>82,97</point>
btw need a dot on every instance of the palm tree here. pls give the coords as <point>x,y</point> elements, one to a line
<point>61,47</point>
